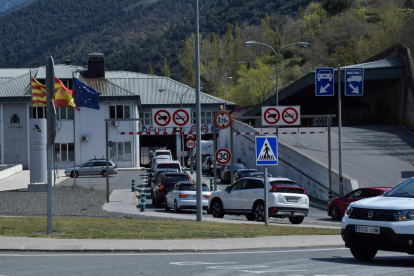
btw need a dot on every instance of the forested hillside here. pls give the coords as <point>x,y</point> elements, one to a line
<point>157,37</point>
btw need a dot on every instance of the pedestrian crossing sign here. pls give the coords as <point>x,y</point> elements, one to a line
<point>266,151</point>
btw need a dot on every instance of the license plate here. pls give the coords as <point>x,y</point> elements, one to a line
<point>292,199</point>
<point>367,229</point>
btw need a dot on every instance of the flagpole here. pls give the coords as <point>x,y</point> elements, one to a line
<point>74,136</point>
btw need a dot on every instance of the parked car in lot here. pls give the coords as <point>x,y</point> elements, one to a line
<point>286,199</point>
<point>183,196</point>
<point>383,222</point>
<point>164,184</point>
<point>92,167</point>
<point>225,174</point>
<point>337,206</point>
<point>243,173</point>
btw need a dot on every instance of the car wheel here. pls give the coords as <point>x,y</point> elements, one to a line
<point>176,209</point>
<point>259,211</point>
<point>74,174</point>
<point>363,254</point>
<point>335,213</point>
<point>217,209</point>
<point>250,217</point>
<point>166,206</point>
<point>103,173</point>
<point>158,204</point>
<point>296,220</point>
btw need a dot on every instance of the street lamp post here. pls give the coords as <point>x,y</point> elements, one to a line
<point>303,44</point>
<point>225,79</point>
<point>181,106</point>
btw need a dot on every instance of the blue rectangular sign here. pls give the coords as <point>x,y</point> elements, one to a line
<point>266,151</point>
<point>354,81</point>
<point>324,82</point>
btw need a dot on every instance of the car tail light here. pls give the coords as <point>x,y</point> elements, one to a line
<point>207,195</point>
<point>273,189</point>
<point>183,195</point>
<point>115,166</point>
<point>161,185</point>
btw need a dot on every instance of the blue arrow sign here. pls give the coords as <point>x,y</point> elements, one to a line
<point>324,82</point>
<point>354,81</point>
<point>266,151</point>
<point>144,129</point>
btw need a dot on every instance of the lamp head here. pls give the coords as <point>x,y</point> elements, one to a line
<point>250,43</point>
<point>303,44</point>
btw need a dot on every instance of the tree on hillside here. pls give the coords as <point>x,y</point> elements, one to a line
<point>165,69</point>
<point>334,7</point>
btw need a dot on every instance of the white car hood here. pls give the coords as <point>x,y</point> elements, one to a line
<point>382,202</point>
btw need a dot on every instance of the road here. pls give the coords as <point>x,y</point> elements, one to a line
<point>381,155</point>
<point>317,214</point>
<point>299,261</point>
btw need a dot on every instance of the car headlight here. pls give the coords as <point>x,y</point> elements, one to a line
<point>404,215</point>
<point>348,211</point>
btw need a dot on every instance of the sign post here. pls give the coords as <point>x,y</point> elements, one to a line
<point>266,155</point>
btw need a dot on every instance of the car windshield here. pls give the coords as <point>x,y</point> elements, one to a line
<point>175,178</point>
<point>192,187</point>
<point>236,166</point>
<point>168,166</point>
<point>405,189</point>
<point>285,183</point>
<point>162,153</point>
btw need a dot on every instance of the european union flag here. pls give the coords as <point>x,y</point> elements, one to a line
<point>85,95</point>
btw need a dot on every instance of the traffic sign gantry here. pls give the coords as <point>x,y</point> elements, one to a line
<point>222,119</point>
<point>271,115</point>
<point>223,156</point>
<point>190,144</point>
<point>324,82</point>
<point>354,81</point>
<point>266,151</point>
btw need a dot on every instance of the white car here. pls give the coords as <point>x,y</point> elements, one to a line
<point>286,199</point>
<point>183,196</point>
<point>384,222</point>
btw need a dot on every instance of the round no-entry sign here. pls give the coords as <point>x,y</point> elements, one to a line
<point>223,156</point>
<point>190,144</point>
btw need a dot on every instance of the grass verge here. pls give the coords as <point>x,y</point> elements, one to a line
<point>98,228</point>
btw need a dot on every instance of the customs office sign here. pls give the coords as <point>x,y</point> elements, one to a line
<point>38,141</point>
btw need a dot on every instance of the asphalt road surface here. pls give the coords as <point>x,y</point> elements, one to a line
<point>299,261</point>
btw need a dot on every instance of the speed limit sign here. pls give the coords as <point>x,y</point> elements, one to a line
<point>190,144</point>
<point>223,156</point>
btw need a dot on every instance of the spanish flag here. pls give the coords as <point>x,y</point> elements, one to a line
<point>64,97</point>
<point>38,93</point>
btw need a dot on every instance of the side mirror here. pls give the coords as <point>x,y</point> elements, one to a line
<point>380,194</point>
<point>228,189</point>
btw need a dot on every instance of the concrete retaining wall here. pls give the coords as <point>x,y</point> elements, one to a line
<point>8,170</point>
<point>308,172</point>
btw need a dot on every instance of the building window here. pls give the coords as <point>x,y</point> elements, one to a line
<point>65,113</point>
<point>121,151</point>
<point>65,152</point>
<point>204,114</point>
<point>145,115</point>
<point>119,112</point>
<point>38,112</point>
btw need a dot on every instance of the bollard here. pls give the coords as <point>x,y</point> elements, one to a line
<point>191,169</point>
<point>211,184</point>
<point>329,195</point>
<point>133,186</point>
<point>143,199</point>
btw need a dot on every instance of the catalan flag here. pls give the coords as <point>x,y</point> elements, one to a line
<point>38,93</point>
<point>64,97</point>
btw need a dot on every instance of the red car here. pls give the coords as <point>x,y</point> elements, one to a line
<point>337,206</point>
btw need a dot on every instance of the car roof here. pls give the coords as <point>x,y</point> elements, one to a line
<point>189,182</point>
<point>168,161</point>
<point>176,173</point>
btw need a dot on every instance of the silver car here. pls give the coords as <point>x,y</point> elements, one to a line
<point>92,167</point>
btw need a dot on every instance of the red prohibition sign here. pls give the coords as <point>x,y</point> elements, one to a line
<point>180,117</point>
<point>223,156</point>
<point>270,118</point>
<point>287,115</point>
<point>204,128</point>
<point>190,143</point>
<point>162,117</point>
